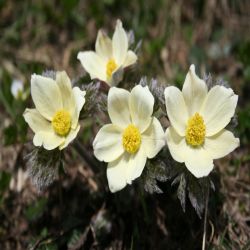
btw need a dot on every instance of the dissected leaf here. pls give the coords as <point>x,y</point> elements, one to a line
<point>74,239</point>
<point>196,195</point>
<point>101,225</point>
<point>151,186</point>
<point>157,90</point>
<point>80,240</point>
<point>155,170</point>
<point>195,188</point>
<point>95,101</point>
<point>181,191</point>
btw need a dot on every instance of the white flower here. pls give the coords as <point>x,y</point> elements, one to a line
<point>55,119</point>
<point>132,137</point>
<point>198,118</point>
<point>17,89</point>
<point>110,58</point>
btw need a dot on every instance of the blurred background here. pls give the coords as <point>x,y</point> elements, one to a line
<point>78,211</point>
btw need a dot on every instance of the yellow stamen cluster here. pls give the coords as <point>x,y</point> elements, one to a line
<point>61,122</point>
<point>195,130</point>
<point>131,139</point>
<point>110,67</point>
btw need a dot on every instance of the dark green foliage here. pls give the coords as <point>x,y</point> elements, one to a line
<point>243,51</point>
<point>16,131</point>
<point>36,209</point>
<point>244,125</point>
<point>10,134</point>
<point>4,184</point>
<point>74,239</point>
<point>4,180</point>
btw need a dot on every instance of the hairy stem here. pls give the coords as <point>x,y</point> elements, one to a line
<point>205,219</point>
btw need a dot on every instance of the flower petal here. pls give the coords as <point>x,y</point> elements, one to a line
<point>153,139</point>
<point>221,144</point>
<point>103,46</point>
<point>218,109</point>
<point>17,88</point>
<point>46,96</point>
<point>49,140</point>
<point>176,144</point>
<point>125,169</point>
<point>131,58</point>
<point>65,87</point>
<point>36,121</point>
<point>116,174</point>
<point>118,107</point>
<point>197,160</point>
<point>79,96</point>
<point>108,143</point>
<point>93,64</point>
<point>141,104</point>
<point>70,137</point>
<point>194,91</point>
<point>120,43</point>
<point>135,165</point>
<point>176,109</point>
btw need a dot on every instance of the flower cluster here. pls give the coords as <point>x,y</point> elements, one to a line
<point>198,117</point>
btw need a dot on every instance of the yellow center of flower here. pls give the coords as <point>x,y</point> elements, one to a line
<point>131,139</point>
<point>195,130</point>
<point>61,122</point>
<point>110,67</point>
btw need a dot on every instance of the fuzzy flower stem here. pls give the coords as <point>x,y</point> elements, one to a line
<point>205,219</point>
<point>87,158</point>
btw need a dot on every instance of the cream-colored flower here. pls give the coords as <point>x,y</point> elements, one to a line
<point>198,118</point>
<point>132,137</point>
<point>55,118</point>
<point>17,90</point>
<point>110,58</point>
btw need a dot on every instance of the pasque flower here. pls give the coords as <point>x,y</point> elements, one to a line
<point>198,118</point>
<point>17,90</point>
<point>55,118</point>
<point>133,136</point>
<point>110,56</point>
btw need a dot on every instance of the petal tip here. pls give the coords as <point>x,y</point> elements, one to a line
<point>79,55</point>
<point>192,68</point>
<point>118,23</point>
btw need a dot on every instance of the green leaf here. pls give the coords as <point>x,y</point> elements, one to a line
<point>35,210</point>
<point>10,135</point>
<point>95,101</point>
<point>74,239</point>
<point>4,181</point>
